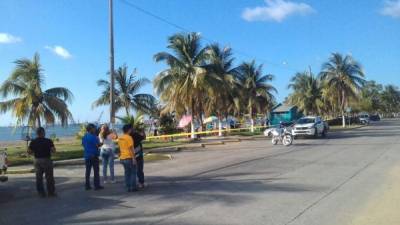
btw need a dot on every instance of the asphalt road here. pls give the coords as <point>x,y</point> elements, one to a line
<point>328,181</point>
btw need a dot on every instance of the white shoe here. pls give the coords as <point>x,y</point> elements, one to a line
<point>105,181</point>
<point>113,181</point>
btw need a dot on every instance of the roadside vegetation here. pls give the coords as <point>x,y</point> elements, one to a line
<point>26,99</point>
<point>199,81</point>
<point>73,150</point>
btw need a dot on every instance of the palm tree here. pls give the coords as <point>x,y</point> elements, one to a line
<point>306,94</point>
<point>136,121</point>
<point>370,97</point>
<point>183,85</point>
<point>329,97</point>
<point>390,98</point>
<point>345,75</point>
<point>222,97</point>
<point>255,90</point>
<point>126,92</point>
<point>30,103</point>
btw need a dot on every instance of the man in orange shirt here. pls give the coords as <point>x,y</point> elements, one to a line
<point>127,158</point>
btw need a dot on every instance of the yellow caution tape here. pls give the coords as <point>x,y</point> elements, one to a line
<point>201,132</point>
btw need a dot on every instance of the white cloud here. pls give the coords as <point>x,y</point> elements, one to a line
<point>6,38</point>
<point>60,51</point>
<point>276,10</point>
<point>391,8</point>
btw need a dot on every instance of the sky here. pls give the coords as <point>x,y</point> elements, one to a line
<point>287,36</point>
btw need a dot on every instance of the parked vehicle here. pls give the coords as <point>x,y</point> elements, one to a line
<point>364,119</point>
<point>3,165</point>
<point>375,117</point>
<point>280,134</point>
<point>310,126</point>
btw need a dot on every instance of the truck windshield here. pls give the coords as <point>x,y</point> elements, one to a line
<point>305,120</point>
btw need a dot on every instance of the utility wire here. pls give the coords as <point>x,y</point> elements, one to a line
<point>179,27</point>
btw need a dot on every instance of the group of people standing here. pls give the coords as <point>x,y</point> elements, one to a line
<point>105,145</point>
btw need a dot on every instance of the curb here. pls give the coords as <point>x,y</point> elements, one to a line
<point>164,150</point>
<point>21,171</point>
<point>72,162</point>
<point>212,143</point>
<point>232,141</point>
<point>347,129</point>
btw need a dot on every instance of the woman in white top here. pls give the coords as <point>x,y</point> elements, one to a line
<point>107,150</point>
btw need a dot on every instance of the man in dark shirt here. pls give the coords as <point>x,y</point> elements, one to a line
<point>138,137</point>
<point>42,148</point>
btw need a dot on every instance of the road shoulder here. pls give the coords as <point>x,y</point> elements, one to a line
<point>383,206</point>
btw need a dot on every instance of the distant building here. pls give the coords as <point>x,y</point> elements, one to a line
<point>284,113</point>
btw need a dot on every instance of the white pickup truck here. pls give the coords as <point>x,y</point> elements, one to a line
<point>310,126</point>
<point>3,166</point>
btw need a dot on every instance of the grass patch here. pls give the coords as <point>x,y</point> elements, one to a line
<point>340,127</point>
<point>73,150</point>
<point>155,157</point>
<point>17,155</point>
<point>246,133</point>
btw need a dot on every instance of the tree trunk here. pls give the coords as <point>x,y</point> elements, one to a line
<point>228,124</point>
<point>219,126</point>
<point>192,131</point>
<point>251,119</point>
<point>343,119</point>
<point>39,123</point>
<point>343,105</point>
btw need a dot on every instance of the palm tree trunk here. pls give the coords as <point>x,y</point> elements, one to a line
<point>192,131</point>
<point>251,119</point>
<point>343,119</point>
<point>219,125</point>
<point>39,123</point>
<point>228,124</point>
<point>343,106</point>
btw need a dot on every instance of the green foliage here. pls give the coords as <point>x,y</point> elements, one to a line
<point>344,79</point>
<point>54,137</point>
<point>307,93</point>
<point>30,103</point>
<point>167,123</point>
<point>126,92</point>
<point>82,131</point>
<point>390,99</point>
<point>184,85</point>
<point>254,88</point>
<point>136,121</point>
<point>341,84</point>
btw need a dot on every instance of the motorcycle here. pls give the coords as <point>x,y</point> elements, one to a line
<point>279,135</point>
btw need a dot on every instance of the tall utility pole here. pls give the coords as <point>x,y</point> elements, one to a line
<point>112,106</point>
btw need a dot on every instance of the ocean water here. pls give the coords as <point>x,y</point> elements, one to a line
<point>9,134</point>
<point>19,133</point>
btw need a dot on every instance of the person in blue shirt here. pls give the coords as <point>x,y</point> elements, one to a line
<point>91,144</point>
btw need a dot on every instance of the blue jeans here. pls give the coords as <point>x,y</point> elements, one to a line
<point>108,161</point>
<point>130,174</point>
